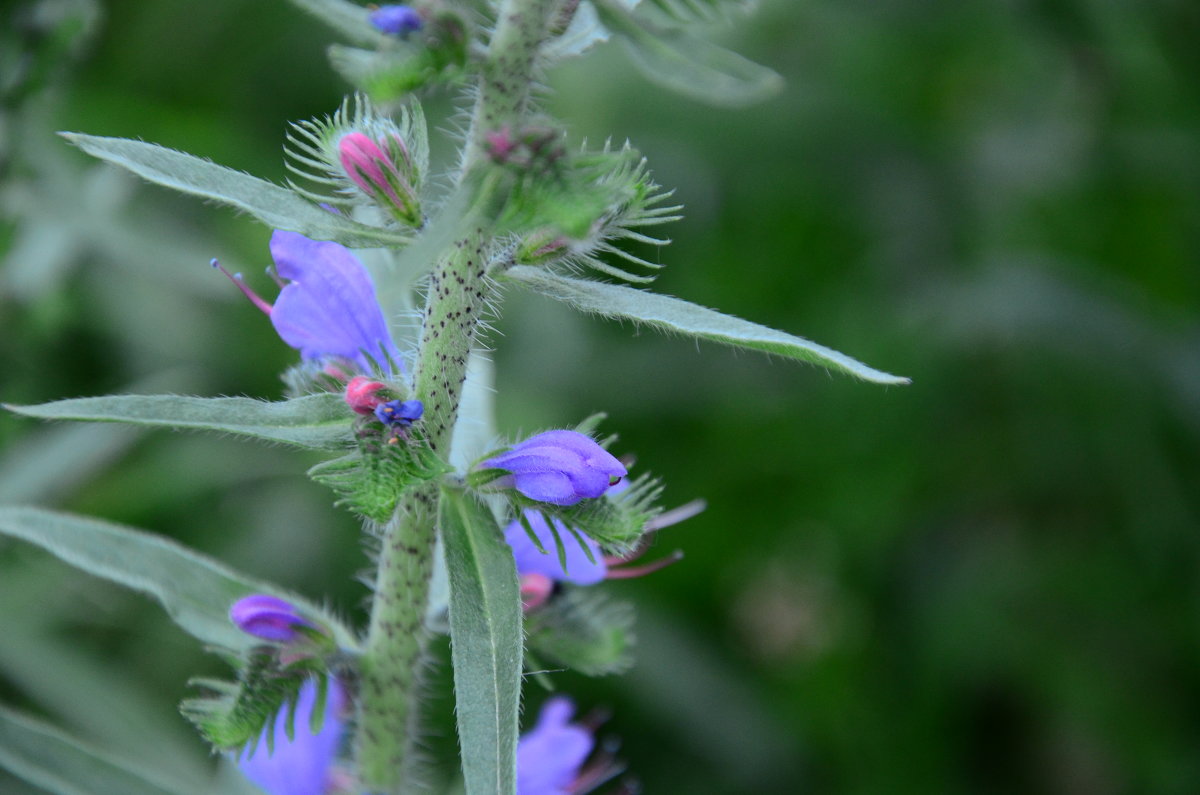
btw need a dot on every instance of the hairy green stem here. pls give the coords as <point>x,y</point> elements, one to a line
<point>457,294</point>
<point>507,71</point>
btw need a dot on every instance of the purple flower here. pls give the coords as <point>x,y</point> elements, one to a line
<point>328,307</point>
<point>303,765</point>
<point>399,413</point>
<point>558,467</point>
<point>397,20</point>
<point>267,617</point>
<point>551,754</point>
<point>530,560</point>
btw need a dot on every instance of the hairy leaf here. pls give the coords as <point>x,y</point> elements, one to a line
<point>370,480</point>
<point>486,643</point>
<point>232,715</point>
<point>48,758</point>
<point>195,590</point>
<point>319,421</point>
<point>348,19</point>
<point>688,64</point>
<point>275,206</point>
<point>673,315</point>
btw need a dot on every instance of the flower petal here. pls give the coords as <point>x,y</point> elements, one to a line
<point>330,307</point>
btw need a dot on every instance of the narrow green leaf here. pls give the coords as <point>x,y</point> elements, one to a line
<point>673,315</point>
<point>688,64</point>
<point>486,643</point>
<point>275,206</point>
<point>48,758</point>
<point>317,421</point>
<point>346,18</point>
<point>195,590</point>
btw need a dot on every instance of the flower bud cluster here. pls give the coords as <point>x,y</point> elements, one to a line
<point>360,157</point>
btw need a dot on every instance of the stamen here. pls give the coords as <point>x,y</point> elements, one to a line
<point>275,277</point>
<point>676,515</point>
<point>641,571</point>
<point>236,278</point>
<point>604,767</point>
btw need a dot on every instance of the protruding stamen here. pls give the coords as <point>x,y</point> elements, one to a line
<point>630,572</point>
<point>275,277</point>
<point>676,515</point>
<point>236,278</point>
<point>603,767</point>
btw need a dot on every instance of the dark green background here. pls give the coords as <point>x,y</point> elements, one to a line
<point>983,582</point>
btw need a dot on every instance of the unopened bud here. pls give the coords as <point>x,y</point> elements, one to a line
<point>384,171</point>
<point>541,247</point>
<point>268,617</point>
<point>362,395</point>
<point>396,20</point>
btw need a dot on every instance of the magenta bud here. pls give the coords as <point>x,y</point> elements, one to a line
<point>535,590</point>
<point>362,394</point>
<point>268,617</point>
<point>384,171</point>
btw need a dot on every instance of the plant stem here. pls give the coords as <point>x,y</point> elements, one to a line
<point>391,665</point>
<point>507,71</point>
<point>458,291</point>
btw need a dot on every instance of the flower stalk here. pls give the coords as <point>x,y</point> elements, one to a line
<point>457,295</point>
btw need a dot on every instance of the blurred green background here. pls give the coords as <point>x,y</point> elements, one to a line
<point>984,582</point>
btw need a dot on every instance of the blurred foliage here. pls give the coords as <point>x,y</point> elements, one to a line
<point>984,582</point>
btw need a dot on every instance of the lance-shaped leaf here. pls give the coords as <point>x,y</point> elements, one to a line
<point>196,591</point>
<point>275,206</point>
<point>680,317</point>
<point>688,64</point>
<point>47,758</point>
<point>318,421</point>
<point>348,19</point>
<point>486,643</point>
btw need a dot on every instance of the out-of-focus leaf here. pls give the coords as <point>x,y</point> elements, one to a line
<point>277,207</point>
<point>318,421</point>
<point>51,463</point>
<point>196,591</point>
<point>584,630</point>
<point>486,643</point>
<point>384,76</point>
<point>689,64</point>
<point>584,32</point>
<point>44,756</point>
<point>346,18</point>
<point>673,315</point>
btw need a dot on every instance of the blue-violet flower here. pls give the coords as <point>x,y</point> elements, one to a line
<point>328,307</point>
<point>398,20</point>
<point>398,414</point>
<point>303,765</point>
<point>532,561</point>
<point>551,754</point>
<point>559,467</point>
<point>268,617</point>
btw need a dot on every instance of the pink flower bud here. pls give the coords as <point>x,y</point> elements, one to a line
<point>362,394</point>
<point>383,172</point>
